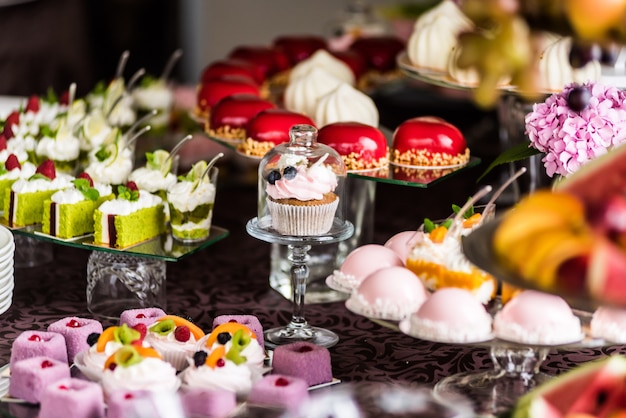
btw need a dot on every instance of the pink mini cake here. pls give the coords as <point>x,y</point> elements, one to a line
<point>74,398</point>
<point>75,330</point>
<point>146,316</point>
<point>609,323</point>
<point>251,321</point>
<point>451,315</point>
<point>38,343</point>
<point>214,403</point>
<point>130,403</point>
<point>537,318</point>
<point>279,391</point>
<point>360,263</point>
<point>399,243</point>
<point>391,293</point>
<point>305,360</point>
<point>30,377</point>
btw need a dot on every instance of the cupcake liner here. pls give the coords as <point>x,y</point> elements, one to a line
<point>178,359</point>
<point>302,220</point>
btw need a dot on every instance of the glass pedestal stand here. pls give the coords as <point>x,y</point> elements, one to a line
<point>117,281</point>
<point>298,329</point>
<point>493,392</point>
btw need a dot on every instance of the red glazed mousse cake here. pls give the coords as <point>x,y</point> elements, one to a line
<point>269,60</point>
<point>229,116</point>
<point>379,53</point>
<point>299,47</point>
<point>269,128</point>
<point>212,91</point>
<point>428,141</point>
<point>227,67</point>
<point>361,146</point>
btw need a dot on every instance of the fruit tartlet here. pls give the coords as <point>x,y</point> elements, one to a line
<point>134,367</point>
<point>428,142</point>
<point>175,338</point>
<point>362,147</point>
<point>230,116</point>
<point>269,128</point>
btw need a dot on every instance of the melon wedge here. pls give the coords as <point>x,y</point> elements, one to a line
<point>597,388</point>
<point>606,274</point>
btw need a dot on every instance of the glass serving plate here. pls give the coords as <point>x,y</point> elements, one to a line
<point>164,247</point>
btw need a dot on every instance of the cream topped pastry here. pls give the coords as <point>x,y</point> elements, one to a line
<point>345,104</point>
<point>111,164</point>
<point>154,94</point>
<point>175,338</point>
<point>295,180</point>
<point>62,146</point>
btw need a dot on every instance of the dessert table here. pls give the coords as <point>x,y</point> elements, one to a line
<point>232,277</point>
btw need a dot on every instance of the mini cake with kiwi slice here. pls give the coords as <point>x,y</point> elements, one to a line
<point>132,217</point>
<point>23,202</point>
<point>112,162</point>
<point>156,176</point>
<point>69,212</point>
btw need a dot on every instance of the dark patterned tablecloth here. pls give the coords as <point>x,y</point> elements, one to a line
<point>232,277</point>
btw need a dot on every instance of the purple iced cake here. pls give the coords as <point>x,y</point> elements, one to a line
<point>250,321</point>
<point>75,330</point>
<point>215,403</point>
<point>146,316</point>
<point>29,377</point>
<point>279,391</point>
<point>304,360</point>
<point>38,343</point>
<point>127,404</point>
<point>72,397</point>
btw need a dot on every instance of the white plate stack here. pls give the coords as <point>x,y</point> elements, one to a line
<point>7,283</point>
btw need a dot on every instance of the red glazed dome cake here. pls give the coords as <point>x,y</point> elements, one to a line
<point>269,59</point>
<point>229,116</point>
<point>299,47</point>
<point>212,91</point>
<point>269,128</point>
<point>429,141</point>
<point>379,53</point>
<point>361,146</point>
<point>227,67</point>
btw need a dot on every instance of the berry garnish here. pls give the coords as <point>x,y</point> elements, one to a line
<point>578,99</point>
<point>34,337</point>
<point>112,366</point>
<point>182,333</point>
<point>199,357</point>
<point>47,169</point>
<point>63,387</point>
<point>142,328</point>
<point>233,320</point>
<point>33,104</point>
<point>72,323</point>
<point>132,186</point>
<point>65,98</point>
<point>12,162</point>
<point>3,142</point>
<point>305,349</point>
<point>92,338</point>
<point>220,362</point>
<point>223,337</point>
<point>128,396</point>
<point>290,172</point>
<point>140,316</point>
<point>12,119</point>
<point>273,177</point>
<point>46,363</point>
<point>281,381</point>
<point>87,177</point>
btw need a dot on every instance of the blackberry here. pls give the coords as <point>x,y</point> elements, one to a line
<point>199,357</point>
<point>223,337</point>
<point>92,338</point>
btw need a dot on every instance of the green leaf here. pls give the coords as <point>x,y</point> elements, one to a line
<point>447,223</point>
<point>82,185</point>
<point>45,130</point>
<point>3,169</point>
<point>37,176</point>
<point>102,154</point>
<point>148,80</point>
<point>99,88</point>
<point>429,225</point>
<point>50,96</point>
<point>515,153</point>
<point>125,193</point>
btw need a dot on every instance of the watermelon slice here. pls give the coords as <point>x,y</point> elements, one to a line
<point>597,388</point>
<point>606,274</point>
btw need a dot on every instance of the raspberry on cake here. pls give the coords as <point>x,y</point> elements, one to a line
<point>269,128</point>
<point>69,212</point>
<point>23,202</point>
<point>175,338</point>
<point>361,146</point>
<point>428,141</point>
<point>230,115</point>
<point>30,377</point>
<point>133,217</point>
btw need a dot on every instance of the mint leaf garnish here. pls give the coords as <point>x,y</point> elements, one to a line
<point>125,193</point>
<point>82,185</point>
<point>3,169</point>
<point>37,176</point>
<point>102,154</point>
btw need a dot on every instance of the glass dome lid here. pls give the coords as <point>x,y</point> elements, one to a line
<point>301,186</point>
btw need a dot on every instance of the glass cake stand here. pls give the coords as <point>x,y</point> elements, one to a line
<point>298,329</point>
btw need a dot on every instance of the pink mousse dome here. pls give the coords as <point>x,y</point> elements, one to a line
<point>399,243</point>
<point>389,293</point>
<point>365,260</point>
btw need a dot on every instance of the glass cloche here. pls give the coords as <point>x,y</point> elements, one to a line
<point>301,186</point>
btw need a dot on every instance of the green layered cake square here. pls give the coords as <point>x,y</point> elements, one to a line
<point>69,220</point>
<point>5,184</point>
<point>127,230</point>
<point>22,209</point>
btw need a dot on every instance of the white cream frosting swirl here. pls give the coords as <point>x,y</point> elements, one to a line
<point>346,104</point>
<point>323,59</point>
<point>184,198</point>
<point>308,184</point>
<point>302,93</point>
<point>151,374</point>
<point>555,70</point>
<point>152,180</point>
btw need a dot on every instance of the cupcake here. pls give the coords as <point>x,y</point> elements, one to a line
<point>175,339</point>
<point>300,181</point>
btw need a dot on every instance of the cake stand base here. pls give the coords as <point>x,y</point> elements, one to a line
<point>492,392</point>
<point>291,334</point>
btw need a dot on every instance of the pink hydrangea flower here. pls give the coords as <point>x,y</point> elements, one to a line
<point>569,139</point>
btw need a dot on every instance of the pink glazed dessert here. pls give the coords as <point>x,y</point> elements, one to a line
<point>75,330</point>
<point>146,316</point>
<point>451,315</point>
<point>391,293</point>
<point>537,318</point>
<point>38,343</point>
<point>302,359</point>
<point>72,397</point>
<point>30,377</point>
<point>279,391</point>
<point>214,403</point>
<point>399,243</point>
<point>360,263</point>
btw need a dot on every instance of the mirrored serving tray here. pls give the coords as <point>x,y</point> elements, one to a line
<point>164,247</point>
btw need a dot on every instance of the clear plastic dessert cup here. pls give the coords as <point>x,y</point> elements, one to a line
<point>191,207</point>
